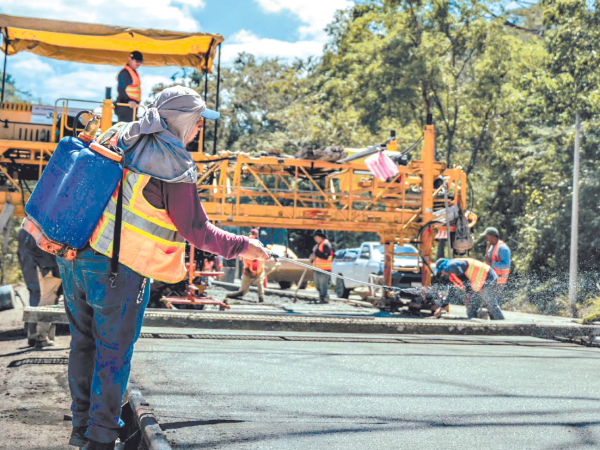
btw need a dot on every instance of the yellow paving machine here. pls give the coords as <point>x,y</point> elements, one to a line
<point>237,189</point>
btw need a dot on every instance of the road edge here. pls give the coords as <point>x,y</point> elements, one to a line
<point>150,429</point>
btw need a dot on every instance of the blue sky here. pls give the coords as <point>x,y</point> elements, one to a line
<point>283,28</point>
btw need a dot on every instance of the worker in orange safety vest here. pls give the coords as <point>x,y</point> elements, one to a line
<point>477,279</point>
<point>321,258</point>
<point>253,272</point>
<point>497,255</point>
<point>157,208</point>
<point>129,88</point>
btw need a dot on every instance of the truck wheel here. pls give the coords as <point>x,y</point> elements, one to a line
<point>285,284</point>
<point>340,289</point>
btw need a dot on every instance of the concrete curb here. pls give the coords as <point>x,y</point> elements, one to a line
<point>151,432</point>
<point>332,324</point>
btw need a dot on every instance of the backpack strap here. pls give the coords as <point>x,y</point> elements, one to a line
<point>114,260</point>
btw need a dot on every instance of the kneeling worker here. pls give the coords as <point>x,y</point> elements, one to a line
<point>253,273</point>
<point>477,279</point>
<point>161,208</point>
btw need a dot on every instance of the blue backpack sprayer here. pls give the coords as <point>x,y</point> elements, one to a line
<point>73,191</point>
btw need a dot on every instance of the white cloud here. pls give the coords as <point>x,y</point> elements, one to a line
<point>246,41</point>
<point>31,65</point>
<point>163,14</point>
<point>86,81</point>
<point>315,14</point>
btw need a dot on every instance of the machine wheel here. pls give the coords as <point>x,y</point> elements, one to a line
<point>285,284</point>
<point>340,289</point>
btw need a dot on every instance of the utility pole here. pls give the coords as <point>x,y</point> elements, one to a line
<point>574,223</point>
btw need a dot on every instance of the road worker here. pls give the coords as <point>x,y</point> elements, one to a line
<point>498,256</point>
<point>253,272</point>
<point>42,278</point>
<point>477,279</point>
<point>161,208</point>
<point>129,88</point>
<point>321,258</point>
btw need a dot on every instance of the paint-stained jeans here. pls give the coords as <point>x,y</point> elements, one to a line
<point>105,322</point>
<point>490,295</point>
<point>322,283</point>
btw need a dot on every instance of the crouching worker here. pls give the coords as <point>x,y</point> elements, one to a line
<point>479,282</point>
<point>253,273</point>
<point>161,208</point>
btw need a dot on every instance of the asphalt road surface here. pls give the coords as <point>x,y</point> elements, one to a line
<point>400,392</point>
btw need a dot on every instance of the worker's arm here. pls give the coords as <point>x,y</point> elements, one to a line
<point>326,253</point>
<point>183,206</point>
<point>458,269</point>
<point>504,256</point>
<point>312,256</point>
<point>123,80</point>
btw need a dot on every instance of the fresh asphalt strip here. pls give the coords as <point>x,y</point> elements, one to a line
<point>378,324</point>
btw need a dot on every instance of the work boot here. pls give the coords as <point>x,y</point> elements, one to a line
<point>261,299</point>
<point>78,438</point>
<point>93,445</point>
<point>44,343</point>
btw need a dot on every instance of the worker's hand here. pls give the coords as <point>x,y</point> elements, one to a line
<point>487,260</point>
<point>255,250</point>
<point>132,104</point>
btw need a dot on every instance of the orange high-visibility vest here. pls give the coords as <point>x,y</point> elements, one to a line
<point>477,273</point>
<point>134,90</point>
<point>255,266</point>
<point>152,246</point>
<point>502,273</point>
<point>321,263</point>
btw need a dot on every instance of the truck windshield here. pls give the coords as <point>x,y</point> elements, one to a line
<point>378,251</point>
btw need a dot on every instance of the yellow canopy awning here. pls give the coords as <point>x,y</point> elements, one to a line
<point>104,44</point>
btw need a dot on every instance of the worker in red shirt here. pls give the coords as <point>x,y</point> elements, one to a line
<point>129,88</point>
<point>253,272</point>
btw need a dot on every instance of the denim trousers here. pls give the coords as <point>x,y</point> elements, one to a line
<point>105,319</point>
<point>322,282</point>
<point>490,296</point>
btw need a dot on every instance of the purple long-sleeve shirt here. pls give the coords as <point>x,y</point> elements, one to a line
<point>183,206</point>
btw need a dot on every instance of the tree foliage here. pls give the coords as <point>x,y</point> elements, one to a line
<point>502,87</point>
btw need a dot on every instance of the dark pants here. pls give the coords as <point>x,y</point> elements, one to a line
<point>322,282</point>
<point>124,113</point>
<point>489,295</point>
<point>105,322</point>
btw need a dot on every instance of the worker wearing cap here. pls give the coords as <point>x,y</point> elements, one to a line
<point>477,279</point>
<point>253,272</point>
<point>321,258</point>
<point>497,255</point>
<point>129,88</point>
<point>161,209</point>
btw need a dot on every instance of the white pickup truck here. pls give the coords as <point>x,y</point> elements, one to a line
<point>361,263</point>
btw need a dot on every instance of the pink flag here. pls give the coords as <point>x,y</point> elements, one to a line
<point>382,166</point>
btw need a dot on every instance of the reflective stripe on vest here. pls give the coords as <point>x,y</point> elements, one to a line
<point>321,263</point>
<point>134,90</point>
<point>152,246</point>
<point>477,273</point>
<point>502,273</point>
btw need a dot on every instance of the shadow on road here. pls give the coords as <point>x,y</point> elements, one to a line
<point>196,423</point>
